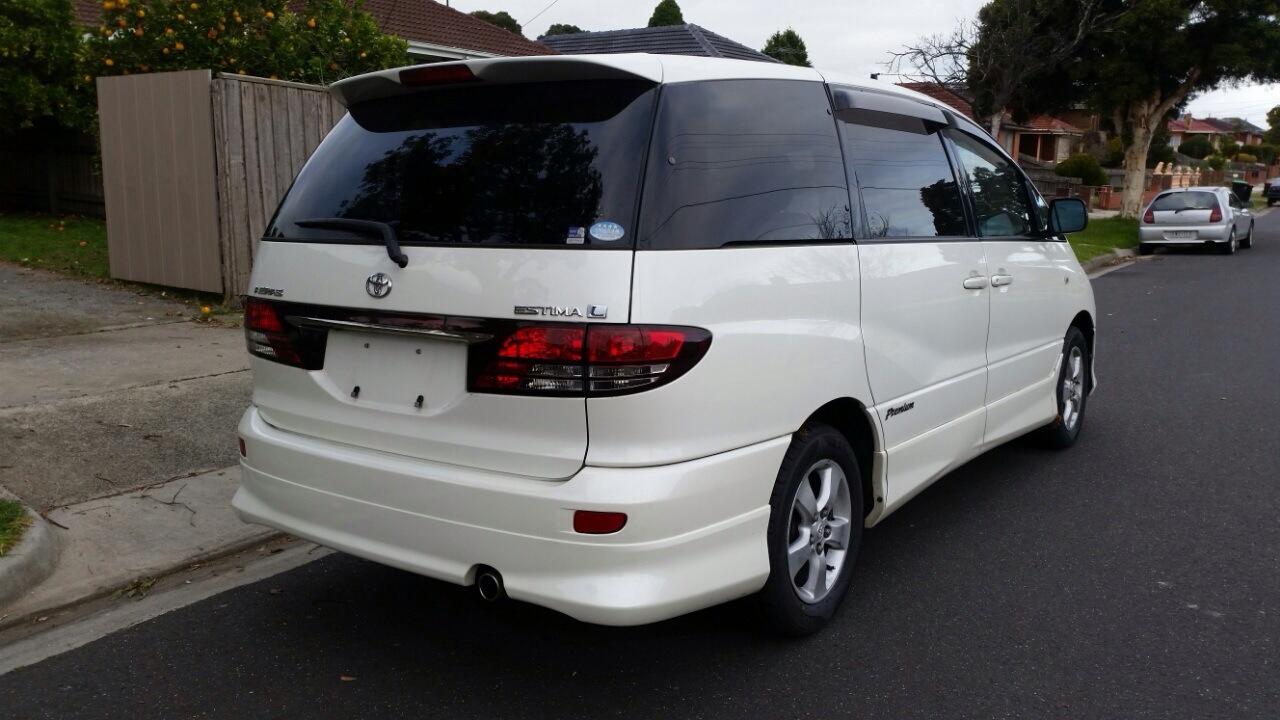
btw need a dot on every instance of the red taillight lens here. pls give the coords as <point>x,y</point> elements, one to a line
<point>259,315</point>
<point>1150,217</point>
<point>268,335</point>
<point>1216,215</point>
<point>590,522</point>
<point>243,451</point>
<point>585,359</point>
<point>437,75</point>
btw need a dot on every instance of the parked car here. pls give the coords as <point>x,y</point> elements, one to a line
<point>1271,191</point>
<point>1196,216</point>
<point>627,336</point>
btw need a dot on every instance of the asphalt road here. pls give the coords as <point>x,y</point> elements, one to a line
<point>1136,575</point>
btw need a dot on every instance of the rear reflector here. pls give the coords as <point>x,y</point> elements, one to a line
<point>437,75</point>
<point>590,522</point>
<point>243,452</point>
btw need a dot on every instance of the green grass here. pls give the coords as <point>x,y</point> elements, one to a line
<point>13,521</point>
<point>62,243</point>
<point>77,246</point>
<point>1104,236</point>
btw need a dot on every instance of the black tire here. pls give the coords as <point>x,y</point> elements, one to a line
<point>1228,248</point>
<point>783,607</point>
<point>1059,434</point>
<point>1144,249</point>
<point>1247,242</point>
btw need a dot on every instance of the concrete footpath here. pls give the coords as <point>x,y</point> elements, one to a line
<point>117,425</point>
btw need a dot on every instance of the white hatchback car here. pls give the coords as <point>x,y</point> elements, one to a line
<point>628,336</point>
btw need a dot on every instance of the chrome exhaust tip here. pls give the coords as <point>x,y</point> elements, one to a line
<point>489,585</point>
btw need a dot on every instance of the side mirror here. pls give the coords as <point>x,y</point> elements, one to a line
<point>1067,215</point>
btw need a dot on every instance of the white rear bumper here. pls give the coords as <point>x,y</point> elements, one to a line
<point>695,533</point>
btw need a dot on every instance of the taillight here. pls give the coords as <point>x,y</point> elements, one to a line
<point>269,335</point>
<point>1216,215</point>
<point>584,359</point>
<point>1150,217</point>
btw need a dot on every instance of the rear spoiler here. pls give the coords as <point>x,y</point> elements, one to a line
<point>390,83</point>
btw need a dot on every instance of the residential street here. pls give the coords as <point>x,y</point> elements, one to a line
<point>1134,576</point>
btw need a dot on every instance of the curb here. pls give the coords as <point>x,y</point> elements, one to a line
<point>1097,263</point>
<point>29,563</point>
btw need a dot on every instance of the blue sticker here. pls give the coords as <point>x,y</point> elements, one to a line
<point>576,236</point>
<point>607,231</point>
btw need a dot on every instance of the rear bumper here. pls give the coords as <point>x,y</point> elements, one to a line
<point>695,534</point>
<point>1159,234</point>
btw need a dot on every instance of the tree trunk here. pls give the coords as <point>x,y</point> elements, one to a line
<point>1135,168</point>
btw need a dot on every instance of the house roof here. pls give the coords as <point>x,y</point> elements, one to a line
<point>943,94</point>
<point>422,21</point>
<point>1234,125</point>
<point>1193,126</point>
<point>1047,125</point>
<point>662,40</point>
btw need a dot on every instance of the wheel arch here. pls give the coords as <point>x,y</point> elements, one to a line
<point>854,421</point>
<point>1084,321</point>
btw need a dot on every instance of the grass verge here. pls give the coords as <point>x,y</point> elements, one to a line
<point>13,522</point>
<point>1104,236</point>
<point>65,244</point>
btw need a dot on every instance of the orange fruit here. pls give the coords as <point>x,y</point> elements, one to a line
<point>311,23</point>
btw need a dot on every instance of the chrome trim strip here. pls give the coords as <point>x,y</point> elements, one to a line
<point>458,336</point>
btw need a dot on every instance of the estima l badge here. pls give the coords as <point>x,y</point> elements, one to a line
<point>378,285</point>
<point>548,310</point>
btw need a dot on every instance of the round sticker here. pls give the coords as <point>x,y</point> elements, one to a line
<point>607,231</point>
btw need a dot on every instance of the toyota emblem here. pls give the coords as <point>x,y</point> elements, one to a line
<point>378,285</point>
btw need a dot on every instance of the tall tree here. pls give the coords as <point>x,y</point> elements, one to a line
<point>501,19</point>
<point>788,47</point>
<point>666,13</point>
<point>562,29</point>
<point>1272,135</point>
<point>992,58</point>
<point>1152,58</point>
<point>38,71</point>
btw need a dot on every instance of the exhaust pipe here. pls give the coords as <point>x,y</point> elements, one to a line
<point>489,585</point>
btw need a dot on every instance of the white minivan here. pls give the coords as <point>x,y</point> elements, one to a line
<point>627,336</point>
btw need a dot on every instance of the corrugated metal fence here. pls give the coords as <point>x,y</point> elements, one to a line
<point>194,166</point>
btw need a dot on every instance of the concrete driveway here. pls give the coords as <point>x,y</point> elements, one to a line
<point>103,390</point>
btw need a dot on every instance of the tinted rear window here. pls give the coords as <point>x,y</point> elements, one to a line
<point>542,164</point>
<point>742,162</point>
<point>1186,201</point>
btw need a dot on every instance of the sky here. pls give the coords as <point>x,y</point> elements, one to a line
<point>849,36</point>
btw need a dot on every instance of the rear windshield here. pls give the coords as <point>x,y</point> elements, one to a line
<point>540,164</point>
<point>1186,201</point>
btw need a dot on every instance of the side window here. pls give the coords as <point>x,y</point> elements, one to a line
<point>744,161</point>
<point>1000,200</point>
<point>903,176</point>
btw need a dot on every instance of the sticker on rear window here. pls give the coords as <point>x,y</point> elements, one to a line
<point>576,236</point>
<point>607,231</point>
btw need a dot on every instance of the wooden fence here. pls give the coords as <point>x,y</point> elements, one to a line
<point>52,170</point>
<point>194,166</point>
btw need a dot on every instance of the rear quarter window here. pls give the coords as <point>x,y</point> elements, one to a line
<point>740,162</point>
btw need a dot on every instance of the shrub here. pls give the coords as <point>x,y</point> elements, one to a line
<point>1083,166</point>
<point>1246,158</point>
<point>1265,153</point>
<point>1114,156</point>
<point>1197,147</point>
<point>1217,162</point>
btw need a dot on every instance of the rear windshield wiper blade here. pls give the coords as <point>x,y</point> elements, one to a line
<point>364,227</point>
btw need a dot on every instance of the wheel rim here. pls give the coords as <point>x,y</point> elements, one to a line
<point>1073,388</point>
<point>819,531</point>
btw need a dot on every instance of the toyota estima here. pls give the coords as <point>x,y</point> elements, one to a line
<point>628,336</point>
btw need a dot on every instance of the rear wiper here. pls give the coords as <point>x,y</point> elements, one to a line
<point>365,227</point>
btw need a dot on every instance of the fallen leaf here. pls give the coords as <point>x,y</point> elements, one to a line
<point>42,618</point>
<point>346,678</point>
<point>275,591</point>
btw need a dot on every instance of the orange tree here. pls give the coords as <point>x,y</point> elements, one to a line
<point>324,41</point>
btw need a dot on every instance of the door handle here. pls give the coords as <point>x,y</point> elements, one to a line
<point>975,283</point>
<point>1001,280</point>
